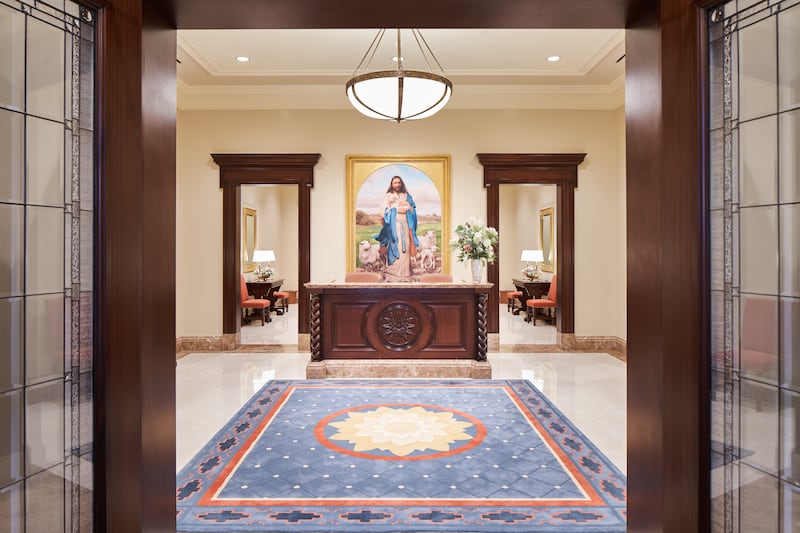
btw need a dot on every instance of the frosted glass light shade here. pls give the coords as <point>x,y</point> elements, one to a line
<point>399,94</point>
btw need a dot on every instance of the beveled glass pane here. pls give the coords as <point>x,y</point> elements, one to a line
<point>759,426</point>
<point>12,152</point>
<point>717,251</point>
<point>45,247</point>
<point>86,331</point>
<point>12,244</point>
<point>86,411</point>
<point>45,82</point>
<point>790,250</point>
<point>790,157</point>
<point>87,170</point>
<point>758,502</point>
<point>11,449</point>
<point>759,337</point>
<point>789,57</point>
<point>44,337</point>
<point>717,171</point>
<point>790,342</point>
<point>759,250</point>
<point>716,71</point>
<point>757,69</point>
<point>790,436</point>
<point>717,329</point>
<point>12,505</point>
<point>85,494</point>
<point>44,426</point>
<point>86,250</point>
<point>45,162</point>
<point>45,500</point>
<point>12,58</point>
<point>758,151</point>
<point>11,335</point>
<point>87,85</point>
<point>790,508</point>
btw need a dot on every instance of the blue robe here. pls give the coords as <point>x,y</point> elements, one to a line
<point>388,237</point>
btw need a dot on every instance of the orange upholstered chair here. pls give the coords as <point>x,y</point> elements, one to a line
<point>512,300</point>
<point>435,278</point>
<point>542,303</point>
<point>281,301</point>
<point>363,277</point>
<point>247,303</point>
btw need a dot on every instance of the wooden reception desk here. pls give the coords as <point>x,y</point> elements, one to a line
<point>418,321</point>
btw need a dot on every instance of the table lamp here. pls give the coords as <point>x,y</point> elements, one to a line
<point>260,257</point>
<point>535,256</point>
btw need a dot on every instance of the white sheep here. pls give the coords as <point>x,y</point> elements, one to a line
<point>368,253</point>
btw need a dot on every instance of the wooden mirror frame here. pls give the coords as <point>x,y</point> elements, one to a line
<point>547,263</point>
<point>560,170</point>
<point>236,170</point>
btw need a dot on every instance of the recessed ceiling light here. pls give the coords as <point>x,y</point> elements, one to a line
<point>242,59</point>
<point>553,59</point>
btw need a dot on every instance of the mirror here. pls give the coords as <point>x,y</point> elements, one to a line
<point>546,238</point>
<point>248,239</point>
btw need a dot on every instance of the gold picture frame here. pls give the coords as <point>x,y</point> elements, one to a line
<point>249,242</point>
<point>428,180</point>
<point>546,223</point>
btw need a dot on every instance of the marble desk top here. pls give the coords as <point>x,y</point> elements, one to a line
<point>399,285</point>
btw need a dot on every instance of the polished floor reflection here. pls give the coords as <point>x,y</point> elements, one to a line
<point>283,330</point>
<point>589,388</point>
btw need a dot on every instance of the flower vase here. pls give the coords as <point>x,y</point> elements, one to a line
<point>477,270</point>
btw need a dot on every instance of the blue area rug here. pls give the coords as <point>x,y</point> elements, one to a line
<point>400,455</point>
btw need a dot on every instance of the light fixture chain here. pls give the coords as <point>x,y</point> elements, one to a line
<point>417,33</point>
<point>373,47</point>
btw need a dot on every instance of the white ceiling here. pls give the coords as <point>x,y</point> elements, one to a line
<point>490,69</point>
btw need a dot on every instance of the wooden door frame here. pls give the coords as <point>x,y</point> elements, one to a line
<point>560,170</point>
<point>236,170</point>
<point>667,234</point>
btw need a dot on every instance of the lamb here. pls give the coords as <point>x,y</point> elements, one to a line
<point>368,253</point>
<point>427,255</point>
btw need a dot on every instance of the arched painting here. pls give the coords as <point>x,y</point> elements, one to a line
<point>398,215</point>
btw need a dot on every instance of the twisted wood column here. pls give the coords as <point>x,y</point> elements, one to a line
<point>483,322</point>
<point>316,351</point>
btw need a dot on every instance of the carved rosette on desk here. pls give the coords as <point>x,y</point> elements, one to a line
<point>399,326</point>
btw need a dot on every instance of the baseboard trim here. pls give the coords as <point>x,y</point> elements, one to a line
<point>614,346</point>
<point>231,342</point>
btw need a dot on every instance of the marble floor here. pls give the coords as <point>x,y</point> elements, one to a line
<point>283,330</point>
<point>589,388</point>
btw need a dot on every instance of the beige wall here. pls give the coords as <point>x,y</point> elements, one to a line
<point>599,246</point>
<point>519,224</point>
<point>276,211</point>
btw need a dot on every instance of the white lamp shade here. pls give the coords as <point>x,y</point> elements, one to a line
<point>399,95</point>
<point>530,255</point>
<point>263,256</point>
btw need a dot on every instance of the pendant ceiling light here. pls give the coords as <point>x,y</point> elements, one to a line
<point>399,94</point>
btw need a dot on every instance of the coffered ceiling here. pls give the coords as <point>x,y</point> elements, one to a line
<point>489,68</point>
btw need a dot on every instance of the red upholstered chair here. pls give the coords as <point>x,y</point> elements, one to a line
<point>247,303</point>
<point>512,300</point>
<point>542,303</point>
<point>363,277</point>
<point>435,278</point>
<point>281,301</point>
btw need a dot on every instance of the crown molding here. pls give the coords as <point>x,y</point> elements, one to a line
<point>298,97</point>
